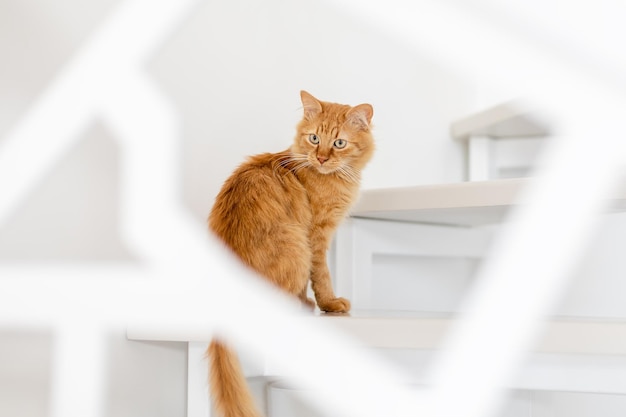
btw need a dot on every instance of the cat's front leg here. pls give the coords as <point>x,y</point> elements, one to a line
<point>306,301</point>
<point>323,289</point>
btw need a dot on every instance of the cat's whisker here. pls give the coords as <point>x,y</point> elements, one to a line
<point>292,161</point>
<point>293,164</point>
<point>301,165</point>
<point>346,176</point>
<point>349,174</point>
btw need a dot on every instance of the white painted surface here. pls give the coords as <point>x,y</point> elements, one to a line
<point>366,241</point>
<point>198,404</point>
<point>415,330</point>
<point>480,158</point>
<point>505,120</point>
<point>567,404</point>
<point>457,204</point>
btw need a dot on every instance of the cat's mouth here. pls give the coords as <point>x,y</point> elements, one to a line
<point>325,169</point>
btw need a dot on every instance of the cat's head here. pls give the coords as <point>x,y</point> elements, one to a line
<point>334,137</point>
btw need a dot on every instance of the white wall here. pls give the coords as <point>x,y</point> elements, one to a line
<point>235,71</point>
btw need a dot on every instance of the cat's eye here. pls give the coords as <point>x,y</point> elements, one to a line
<point>314,139</point>
<point>340,143</point>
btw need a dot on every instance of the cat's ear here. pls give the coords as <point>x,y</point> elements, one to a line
<point>312,106</point>
<point>360,116</point>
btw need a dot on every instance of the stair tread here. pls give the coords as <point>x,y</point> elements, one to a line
<point>505,120</point>
<point>413,330</point>
<point>459,204</point>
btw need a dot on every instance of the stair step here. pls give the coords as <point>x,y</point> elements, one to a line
<point>457,204</point>
<point>426,332</point>
<point>506,120</point>
<point>423,331</point>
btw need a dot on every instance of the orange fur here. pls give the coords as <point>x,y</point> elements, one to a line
<point>228,384</point>
<point>278,213</point>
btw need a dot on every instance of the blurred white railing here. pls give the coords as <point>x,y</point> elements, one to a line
<point>187,279</point>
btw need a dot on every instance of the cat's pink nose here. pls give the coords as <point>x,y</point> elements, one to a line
<point>322,159</point>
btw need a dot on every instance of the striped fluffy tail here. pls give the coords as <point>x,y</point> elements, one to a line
<point>229,390</point>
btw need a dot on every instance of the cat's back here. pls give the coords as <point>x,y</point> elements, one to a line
<point>260,195</point>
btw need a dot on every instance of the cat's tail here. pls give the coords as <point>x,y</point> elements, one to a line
<point>229,390</point>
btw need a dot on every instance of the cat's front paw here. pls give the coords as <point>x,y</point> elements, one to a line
<point>335,305</point>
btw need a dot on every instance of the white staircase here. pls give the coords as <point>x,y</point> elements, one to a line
<point>447,228</point>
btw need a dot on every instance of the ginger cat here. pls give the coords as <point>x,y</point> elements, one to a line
<point>278,213</point>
